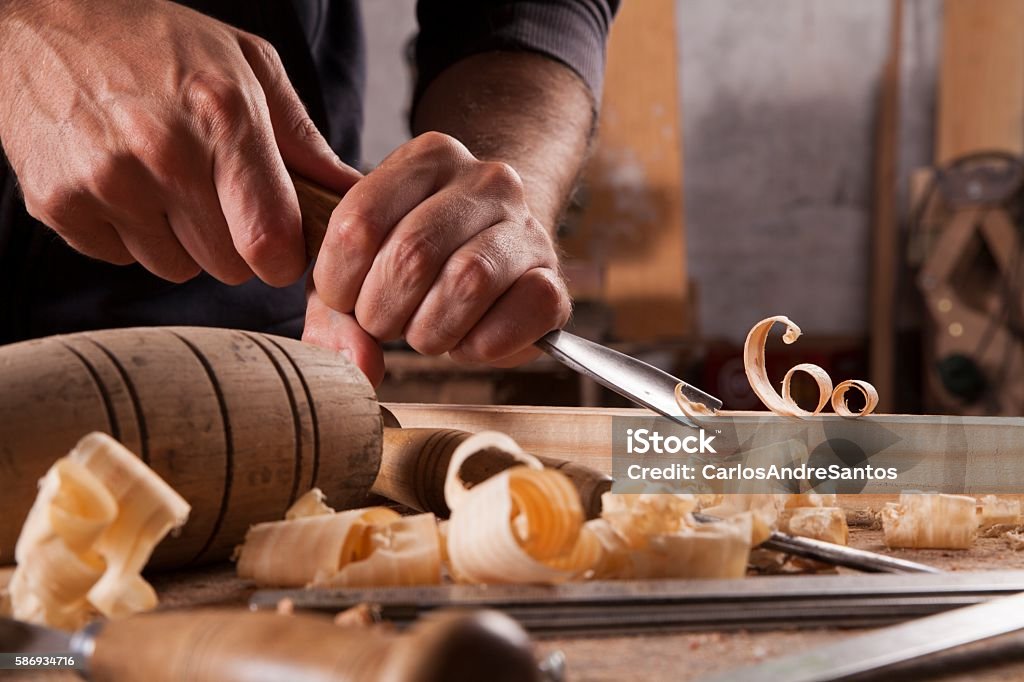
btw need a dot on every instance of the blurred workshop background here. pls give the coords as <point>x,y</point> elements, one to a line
<point>855,166</point>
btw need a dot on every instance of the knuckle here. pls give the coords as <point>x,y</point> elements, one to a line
<point>415,258</point>
<point>436,144</point>
<point>428,341</point>
<point>550,296</point>
<point>182,273</point>
<point>500,179</point>
<point>219,103</point>
<point>473,274</point>
<point>353,235</point>
<point>261,246</point>
<point>264,48</point>
<point>110,173</point>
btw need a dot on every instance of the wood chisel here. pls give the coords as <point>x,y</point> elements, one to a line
<point>630,607</point>
<point>643,384</point>
<point>881,649</point>
<point>216,645</point>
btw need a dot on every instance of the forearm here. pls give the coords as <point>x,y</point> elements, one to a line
<point>521,108</point>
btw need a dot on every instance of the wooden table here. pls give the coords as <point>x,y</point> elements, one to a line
<point>683,656</point>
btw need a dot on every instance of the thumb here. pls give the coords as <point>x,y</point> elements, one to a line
<point>340,332</point>
<point>303,149</point>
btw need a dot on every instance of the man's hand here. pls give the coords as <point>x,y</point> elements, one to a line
<point>439,248</point>
<point>140,130</point>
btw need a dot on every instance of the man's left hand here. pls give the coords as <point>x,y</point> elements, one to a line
<point>440,248</point>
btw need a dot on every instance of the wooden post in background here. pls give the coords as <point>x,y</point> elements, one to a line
<point>885,222</point>
<point>632,229</point>
<point>981,90</point>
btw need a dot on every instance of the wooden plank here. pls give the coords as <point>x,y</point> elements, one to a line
<point>976,455</point>
<point>981,92</point>
<point>633,221</point>
<point>885,224</point>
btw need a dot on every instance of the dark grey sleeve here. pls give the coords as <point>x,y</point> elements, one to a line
<point>573,32</point>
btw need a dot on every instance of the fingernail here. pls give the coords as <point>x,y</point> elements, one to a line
<point>347,354</point>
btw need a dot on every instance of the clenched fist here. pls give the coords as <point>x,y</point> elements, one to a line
<point>140,130</point>
<point>440,248</point>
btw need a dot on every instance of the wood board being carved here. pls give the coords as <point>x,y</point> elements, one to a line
<point>971,452</point>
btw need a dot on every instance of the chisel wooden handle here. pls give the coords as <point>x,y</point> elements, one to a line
<point>415,462</point>
<point>316,204</point>
<point>236,646</point>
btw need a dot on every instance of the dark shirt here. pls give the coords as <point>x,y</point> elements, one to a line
<point>48,288</point>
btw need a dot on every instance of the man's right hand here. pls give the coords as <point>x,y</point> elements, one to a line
<point>143,131</point>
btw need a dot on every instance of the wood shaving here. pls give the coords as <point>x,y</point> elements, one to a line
<point>99,513</point>
<point>930,521</point>
<point>691,408</point>
<point>827,524</point>
<point>998,511</point>
<point>655,536</point>
<point>359,616</point>
<point>1015,540</point>
<point>866,389</point>
<point>313,503</point>
<point>356,548</point>
<point>520,525</point>
<point>784,405</point>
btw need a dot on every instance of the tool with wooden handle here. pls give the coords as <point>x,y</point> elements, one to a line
<point>239,423</point>
<point>415,462</point>
<point>212,645</point>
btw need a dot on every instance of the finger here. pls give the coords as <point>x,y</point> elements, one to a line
<point>97,238</point>
<point>255,193</point>
<point>303,149</point>
<point>374,206</point>
<point>472,280</point>
<point>340,332</point>
<point>154,245</point>
<point>199,225</point>
<point>535,305</point>
<point>413,255</point>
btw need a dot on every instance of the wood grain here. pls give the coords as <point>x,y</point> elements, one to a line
<point>977,455</point>
<point>415,462</point>
<point>210,645</point>
<point>238,423</point>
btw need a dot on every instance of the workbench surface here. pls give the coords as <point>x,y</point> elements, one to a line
<point>655,658</point>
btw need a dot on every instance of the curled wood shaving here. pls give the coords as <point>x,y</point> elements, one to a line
<point>99,513</point>
<point>866,389</point>
<point>360,547</point>
<point>691,408</point>
<point>359,616</point>
<point>654,536</point>
<point>757,375</point>
<point>763,507</point>
<point>821,378</point>
<point>521,525</point>
<point>313,503</point>
<point>928,520</point>
<point>406,551</point>
<point>827,524</point>
<point>998,511</point>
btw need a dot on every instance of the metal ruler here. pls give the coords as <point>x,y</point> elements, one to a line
<point>614,607</point>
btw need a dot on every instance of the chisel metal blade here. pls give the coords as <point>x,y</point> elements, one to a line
<point>634,379</point>
<point>896,644</point>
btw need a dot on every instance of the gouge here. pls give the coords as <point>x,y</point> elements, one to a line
<point>216,645</point>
